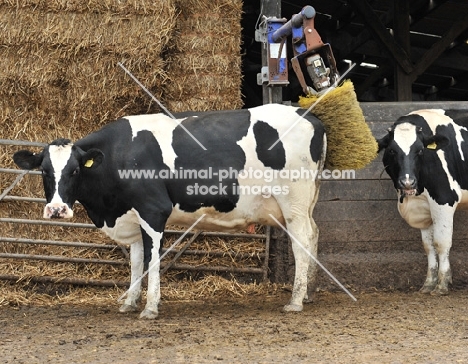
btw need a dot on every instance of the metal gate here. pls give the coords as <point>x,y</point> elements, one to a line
<point>182,249</point>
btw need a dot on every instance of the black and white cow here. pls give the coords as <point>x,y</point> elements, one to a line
<point>94,171</point>
<point>426,156</point>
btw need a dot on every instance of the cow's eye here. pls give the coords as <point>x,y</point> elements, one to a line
<point>420,151</point>
<point>391,152</point>
<point>76,171</point>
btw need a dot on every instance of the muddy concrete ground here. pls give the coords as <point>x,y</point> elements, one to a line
<point>390,327</point>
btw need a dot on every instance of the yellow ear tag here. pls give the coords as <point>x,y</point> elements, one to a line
<point>89,163</point>
<point>433,145</point>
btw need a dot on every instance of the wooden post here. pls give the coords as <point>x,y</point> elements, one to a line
<point>401,33</point>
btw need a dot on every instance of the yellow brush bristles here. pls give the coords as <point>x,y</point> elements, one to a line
<point>351,144</point>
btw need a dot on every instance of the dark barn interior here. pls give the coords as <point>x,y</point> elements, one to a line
<point>420,56</point>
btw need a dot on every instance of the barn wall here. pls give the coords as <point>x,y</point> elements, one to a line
<point>363,240</point>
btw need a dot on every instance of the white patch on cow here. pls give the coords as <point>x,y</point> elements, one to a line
<point>436,117</point>
<point>405,136</point>
<point>126,229</point>
<point>415,210</point>
<point>162,128</point>
<point>250,209</point>
<point>59,156</point>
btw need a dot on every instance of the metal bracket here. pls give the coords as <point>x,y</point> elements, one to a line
<point>263,76</point>
<point>260,35</point>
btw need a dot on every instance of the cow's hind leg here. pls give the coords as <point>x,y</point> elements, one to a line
<point>312,271</point>
<point>296,212</point>
<point>134,292</point>
<point>432,265</point>
<point>303,238</point>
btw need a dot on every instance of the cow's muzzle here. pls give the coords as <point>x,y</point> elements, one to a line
<point>407,186</point>
<point>57,211</point>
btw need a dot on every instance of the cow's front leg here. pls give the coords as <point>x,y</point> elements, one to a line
<point>152,264</point>
<point>152,239</point>
<point>443,230</point>
<point>432,265</point>
<point>136,265</point>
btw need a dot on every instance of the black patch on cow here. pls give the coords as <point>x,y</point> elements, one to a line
<point>265,137</point>
<point>61,141</point>
<point>417,120</point>
<point>459,117</point>
<point>105,195</point>
<point>218,133</point>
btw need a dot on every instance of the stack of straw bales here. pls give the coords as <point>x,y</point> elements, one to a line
<point>205,63</point>
<point>58,63</point>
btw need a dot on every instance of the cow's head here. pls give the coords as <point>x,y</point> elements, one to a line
<point>405,147</point>
<point>63,165</point>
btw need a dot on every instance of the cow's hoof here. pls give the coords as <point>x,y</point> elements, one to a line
<point>440,291</point>
<point>292,308</point>
<point>147,314</point>
<point>426,289</point>
<point>127,308</point>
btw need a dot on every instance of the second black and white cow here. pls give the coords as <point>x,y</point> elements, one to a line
<point>140,172</point>
<point>426,156</point>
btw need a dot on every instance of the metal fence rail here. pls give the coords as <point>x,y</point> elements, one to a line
<point>5,197</point>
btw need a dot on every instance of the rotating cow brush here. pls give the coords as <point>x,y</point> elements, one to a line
<point>350,143</point>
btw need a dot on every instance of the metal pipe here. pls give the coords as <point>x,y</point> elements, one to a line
<point>218,253</point>
<point>24,199</point>
<point>307,12</point>
<point>47,222</point>
<point>58,242</point>
<point>15,182</point>
<point>54,258</point>
<point>17,171</point>
<point>75,281</point>
<point>216,269</point>
<point>22,143</point>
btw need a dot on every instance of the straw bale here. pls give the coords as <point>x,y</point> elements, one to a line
<point>228,8</point>
<point>205,103</point>
<point>205,63</point>
<point>61,77</point>
<point>141,7</point>
<point>75,32</point>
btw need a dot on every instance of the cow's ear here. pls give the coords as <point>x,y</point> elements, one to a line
<point>436,142</point>
<point>92,158</point>
<point>26,159</point>
<point>383,142</point>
